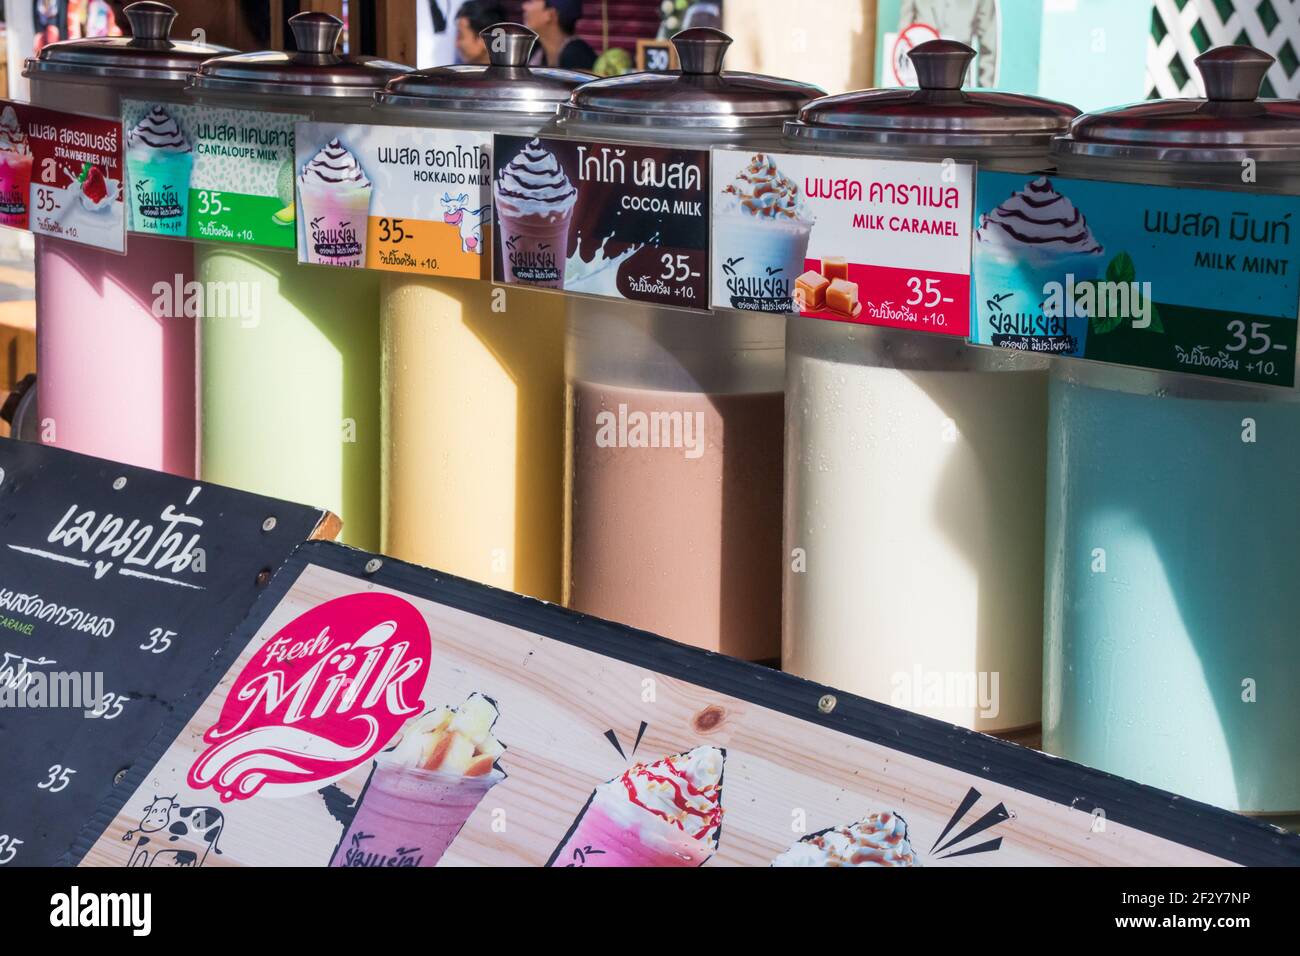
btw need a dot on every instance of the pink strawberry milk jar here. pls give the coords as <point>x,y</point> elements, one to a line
<point>116,371</point>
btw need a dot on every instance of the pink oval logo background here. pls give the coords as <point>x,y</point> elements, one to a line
<point>325,694</point>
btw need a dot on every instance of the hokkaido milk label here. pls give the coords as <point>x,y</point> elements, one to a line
<point>396,198</point>
<point>321,696</point>
<point>221,175</point>
<point>61,175</point>
<point>605,219</point>
<point>853,240</point>
<point>1187,280</point>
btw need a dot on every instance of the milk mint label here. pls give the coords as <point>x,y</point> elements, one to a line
<point>876,242</point>
<point>1172,279</point>
<point>394,198</point>
<point>211,173</point>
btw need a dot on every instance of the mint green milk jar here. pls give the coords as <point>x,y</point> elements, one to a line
<point>289,395</point>
<point>1172,655</point>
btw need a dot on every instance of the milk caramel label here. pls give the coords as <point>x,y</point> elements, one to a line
<point>853,240</point>
<point>1181,280</point>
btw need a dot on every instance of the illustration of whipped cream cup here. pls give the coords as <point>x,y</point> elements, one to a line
<point>159,160</point>
<point>15,170</point>
<point>760,235</point>
<point>421,793</point>
<point>1033,238</point>
<point>334,199</point>
<point>879,839</point>
<point>668,813</point>
<point>534,207</point>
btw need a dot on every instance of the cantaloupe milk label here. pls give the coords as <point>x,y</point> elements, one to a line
<point>211,173</point>
<point>394,198</point>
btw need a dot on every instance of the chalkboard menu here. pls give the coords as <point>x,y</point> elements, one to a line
<point>372,713</point>
<point>118,586</point>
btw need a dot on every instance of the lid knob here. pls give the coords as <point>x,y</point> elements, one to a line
<point>1233,73</point>
<point>700,50</point>
<point>508,44</point>
<point>941,64</point>
<point>316,32</point>
<point>150,21</point>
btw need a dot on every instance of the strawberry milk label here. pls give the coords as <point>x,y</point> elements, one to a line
<point>319,698</point>
<point>61,175</point>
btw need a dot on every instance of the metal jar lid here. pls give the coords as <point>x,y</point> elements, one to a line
<point>938,113</point>
<point>1231,124</point>
<point>505,85</point>
<point>148,54</point>
<point>313,70</point>
<point>698,96</point>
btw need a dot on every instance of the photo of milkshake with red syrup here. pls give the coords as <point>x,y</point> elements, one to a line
<point>15,170</point>
<point>421,792</point>
<point>667,813</point>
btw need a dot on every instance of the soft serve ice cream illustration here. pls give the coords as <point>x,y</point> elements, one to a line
<point>159,160</point>
<point>878,839</point>
<point>15,170</point>
<point>334,204</point>
<point>421,792</point>
<point>1034,237</point>
<point>666,813</point>
<point>760,235</point>
<point>534,208</point>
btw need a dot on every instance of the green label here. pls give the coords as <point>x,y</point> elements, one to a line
<point>211,173</point>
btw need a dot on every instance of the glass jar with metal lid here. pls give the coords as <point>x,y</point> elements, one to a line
<point>289,399</point>
<point>116,379</point>
<point>473,376</point>
<point>684,540</point>
<point>914,462</point>
<point>1172,528</point>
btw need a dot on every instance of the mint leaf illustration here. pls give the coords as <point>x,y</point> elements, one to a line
<point>1156,325</point>
<point>1121,269</point>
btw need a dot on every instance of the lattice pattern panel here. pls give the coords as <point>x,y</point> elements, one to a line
<point>1181,30</point>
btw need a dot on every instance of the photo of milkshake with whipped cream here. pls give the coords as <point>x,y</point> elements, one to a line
<point>761,228</point>
<point>1034,237</point>
<point>534,208</point>
<point>422,792</point>
<point>667,813</point>
<point>15,170</point>
<point>334,208</point>
<point>159,160</point>
<point>878,839</point>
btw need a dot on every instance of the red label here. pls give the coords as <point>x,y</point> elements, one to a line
<point>321,697</point>
<point>904,299</point>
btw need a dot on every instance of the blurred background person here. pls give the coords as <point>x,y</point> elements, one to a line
<point>473,17</point>
<point>556,22</point>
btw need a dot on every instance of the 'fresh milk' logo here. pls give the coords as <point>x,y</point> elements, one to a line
<point>628,428</point>
<point>322,696</point>
<point>179,299</point>
<point>75,908</point>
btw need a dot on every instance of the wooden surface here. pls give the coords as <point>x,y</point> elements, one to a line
<point>558,701</point>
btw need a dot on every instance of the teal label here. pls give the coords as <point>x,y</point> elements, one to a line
<point>1170,279</point>
<point>221,175</point>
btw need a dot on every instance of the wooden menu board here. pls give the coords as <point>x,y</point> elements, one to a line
<point>345,653</point>
<point>117,587</point>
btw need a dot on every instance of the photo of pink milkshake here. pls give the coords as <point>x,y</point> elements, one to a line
<point>421,793</point>
<point>668,813</point>
<point>534,207</point>
<point>334,208</point>
<point>15,170</point>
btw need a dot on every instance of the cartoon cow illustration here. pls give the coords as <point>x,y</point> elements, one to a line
<point>200,824</point>
<point>468,221</point>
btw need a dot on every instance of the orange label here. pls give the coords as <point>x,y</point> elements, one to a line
<point>428,247</point>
